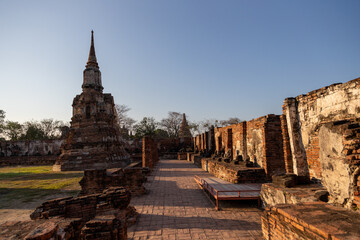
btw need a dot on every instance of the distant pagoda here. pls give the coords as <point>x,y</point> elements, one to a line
<point>94,140</point>
<point>184,131</point>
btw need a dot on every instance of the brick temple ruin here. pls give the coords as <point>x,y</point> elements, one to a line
<point>308,159</point>
<point>94,139</point>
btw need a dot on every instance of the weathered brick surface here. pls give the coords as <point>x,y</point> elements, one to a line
<point>150,153</point>
<point>182,156</point>
<point>96,181</point>
<point>286,145</point>
<point>30,148</point>
<point>84,207</point>
<point>104,227</point>
<point>97,216</point>
<point>259,141</point>
<point>233,173</point>
<point>272,194</point>
<point>28,153</point>
<point>309,221</point>
<point>305,115</point>
<point>28,160</point>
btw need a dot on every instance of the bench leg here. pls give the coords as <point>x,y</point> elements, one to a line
<point>217,204</point>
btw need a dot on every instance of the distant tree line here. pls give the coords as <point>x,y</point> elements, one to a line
<point>30,130</point>
<point>166,128</point>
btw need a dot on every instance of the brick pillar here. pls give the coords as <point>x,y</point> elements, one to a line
<point>286,145</point>
<point>244,143</point>
<point>273,144</point>
<point>212,139</point>
<point>300,166</point>
<point>149,153</point>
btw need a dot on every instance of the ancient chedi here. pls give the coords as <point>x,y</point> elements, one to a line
<point>94,140</point>
<point>184,131</point>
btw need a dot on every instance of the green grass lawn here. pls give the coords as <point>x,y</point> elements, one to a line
<point>21,185</point>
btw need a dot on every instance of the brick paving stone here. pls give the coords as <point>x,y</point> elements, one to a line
<point>176,208</point>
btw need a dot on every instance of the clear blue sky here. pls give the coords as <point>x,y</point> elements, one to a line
<point>209,59</point>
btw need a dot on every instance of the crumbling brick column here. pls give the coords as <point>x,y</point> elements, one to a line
<point>300,166</point>
<point>286,145</point>
<point>150,153</point>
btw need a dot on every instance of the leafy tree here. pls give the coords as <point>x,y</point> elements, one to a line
<point>13,130</point>
<point>160,133</point>
<point>33,131</point>
<point>172,123</point>
<point>146,127</point>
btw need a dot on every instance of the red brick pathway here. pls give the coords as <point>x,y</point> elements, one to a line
<point>176,208</point>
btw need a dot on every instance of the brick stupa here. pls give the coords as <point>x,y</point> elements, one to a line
<point>94,140</point>
<point>184,131</point>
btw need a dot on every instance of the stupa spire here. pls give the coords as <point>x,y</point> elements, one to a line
<point>92,62</point>
<point>92,74</point>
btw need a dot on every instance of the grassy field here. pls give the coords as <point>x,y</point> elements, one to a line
<point>20,186</point>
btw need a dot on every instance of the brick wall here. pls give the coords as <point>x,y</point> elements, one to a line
<point>29,153</point>
<point>255,140</point>
<point>273,161</point>
<point>239,140</point>
<point>312,155</point>
<point>305,114</point>
<point>351,140</point>
<point>30,148</point>
<point>28,160</point>
<point>265,143</point>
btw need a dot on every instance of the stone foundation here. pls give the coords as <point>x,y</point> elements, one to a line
<point>182,156</point>
<point>168,155</point>
<point>96,181</point>
<point>97,216</point>
<point>196,159</point>
<point>272,195</point>
<point>234,173</point>
<point>28,160</point>
<point>309,221</point>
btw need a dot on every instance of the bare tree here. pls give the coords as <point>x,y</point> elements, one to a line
<point>124,120</point>
<point>2,120</point>
<point>171,124</point>
<point>51,128</point>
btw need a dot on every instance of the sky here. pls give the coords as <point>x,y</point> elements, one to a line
<point>208,59</point>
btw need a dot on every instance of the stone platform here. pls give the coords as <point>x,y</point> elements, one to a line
<point>310,221</point>
<point>234,173</point>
